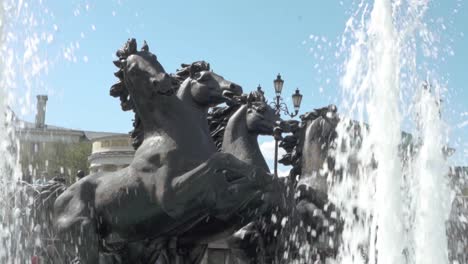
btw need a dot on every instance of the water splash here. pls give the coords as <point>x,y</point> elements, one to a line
<point>393,189</point>
<point>387,43</point>
<point>22,40</point>
<point>8,177</point>
<point>430,189</point>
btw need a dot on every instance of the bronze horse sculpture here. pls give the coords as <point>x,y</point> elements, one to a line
<point>260,241</point>
<point>176,179</point>
<point>318,138</point>
<point>235,129</point>
<point>254,118</point>
<point>309,150</point>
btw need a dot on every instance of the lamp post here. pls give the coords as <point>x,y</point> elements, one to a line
<point>281,107</point>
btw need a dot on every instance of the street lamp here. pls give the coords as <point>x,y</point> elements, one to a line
<point>297,99</point>
<point>281,107</point>
<point>278,83</point>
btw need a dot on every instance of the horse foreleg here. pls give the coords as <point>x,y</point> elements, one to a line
<point>219,186</point>
<point>76,225</point>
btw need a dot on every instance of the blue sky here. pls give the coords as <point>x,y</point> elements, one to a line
<point>248,42</point>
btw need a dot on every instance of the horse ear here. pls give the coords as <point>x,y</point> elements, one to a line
<point>132,46</point>
<point>250,99</point>
<point>145,46</point>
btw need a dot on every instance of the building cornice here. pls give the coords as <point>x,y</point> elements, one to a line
<point>111,154</point>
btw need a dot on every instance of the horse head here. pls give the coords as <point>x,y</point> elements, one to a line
<point>141,77</point>
<point>318,135</point>
<point>261,118</point>
<point>235,128</point>
<point>321,123</point>
<point>204,87</point>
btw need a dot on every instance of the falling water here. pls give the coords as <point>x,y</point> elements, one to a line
<point>384,133</point>
<point>22,38</point>
<point>10,196</point>
<point>393,191</point>
<point>7,164</point>
<point>431,192</point>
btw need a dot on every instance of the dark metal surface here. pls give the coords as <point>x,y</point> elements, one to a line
<point>197,176</point>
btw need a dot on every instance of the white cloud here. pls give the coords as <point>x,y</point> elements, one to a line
<point>283,173</point>
<point>268,150</point>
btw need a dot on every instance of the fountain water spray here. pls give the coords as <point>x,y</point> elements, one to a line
<point>23,37</point>
<point>431,192</point>
<point>392,194</point>
<point>393,187</point>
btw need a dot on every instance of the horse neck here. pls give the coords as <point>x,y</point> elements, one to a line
<point>241,143</point>
<point>156,113</point>
<point>313,156</point>
<point>196,111</point>
<point>171,119</point>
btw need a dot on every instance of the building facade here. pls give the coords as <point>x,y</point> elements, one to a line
<point>110,153</point>
<point>46,151</point>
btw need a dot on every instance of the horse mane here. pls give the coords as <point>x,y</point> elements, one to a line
<point>218,117</point>
<point>120,90</point>
<point>187,71</point>
<point>318,112</point>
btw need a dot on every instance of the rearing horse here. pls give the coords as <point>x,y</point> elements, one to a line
<point>176,178</point>
<point>256,117</point>
<point>235,129</point>
<point>317,136</point>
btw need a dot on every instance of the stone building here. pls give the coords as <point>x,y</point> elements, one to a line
<point>46,151</point>
<point>110,153</point>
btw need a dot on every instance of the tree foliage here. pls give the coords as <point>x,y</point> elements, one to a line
<point>47,160</point>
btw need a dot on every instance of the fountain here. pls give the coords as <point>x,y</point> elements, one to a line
<point>360,189</point>
<point>396,199</point>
